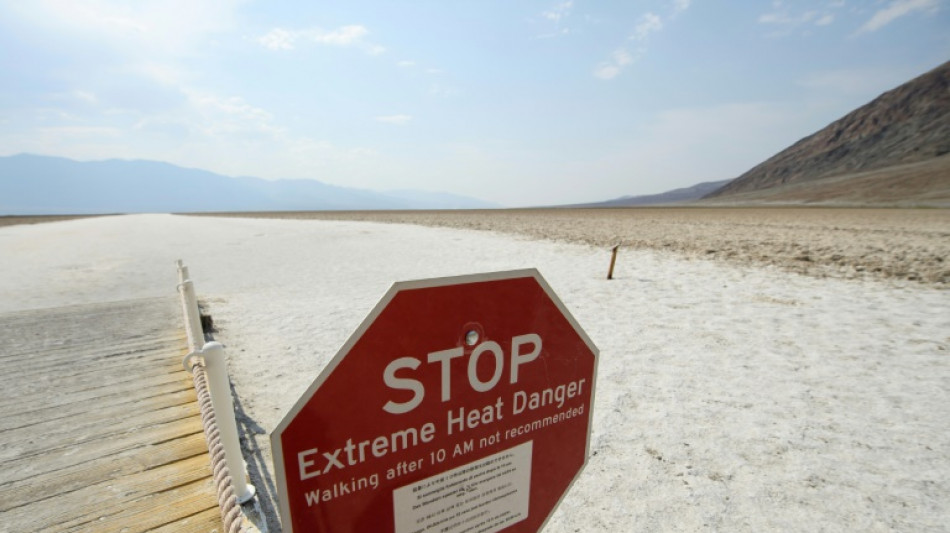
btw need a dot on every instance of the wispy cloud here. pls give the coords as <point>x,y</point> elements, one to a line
<point>399,120</point>
<point>555,16</point>
<point>649,23</point>
<point>619,59</point>
<point>786,20</point>
<point>680,6</point>
<point>216,115</point>
<point>344,36</point>
<point>558,11</point>
<point>896,10</point>
<point>606,71</point>
<point>622,57</point>
<point>278,39</point>
<point>353,35</point>
<point>406,64</point>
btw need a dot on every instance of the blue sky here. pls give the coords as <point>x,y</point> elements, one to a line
<point>520,103</point>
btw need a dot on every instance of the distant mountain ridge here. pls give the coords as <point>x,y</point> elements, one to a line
<point>34,184</point>
<point>675,196</point>
<point>902,127</point>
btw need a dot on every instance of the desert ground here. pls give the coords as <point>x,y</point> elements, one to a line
<point>879,243</point>
<point>740,386</point>
<point>9,220</point>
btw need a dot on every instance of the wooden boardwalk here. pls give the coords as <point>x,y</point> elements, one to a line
<point>99,425</point>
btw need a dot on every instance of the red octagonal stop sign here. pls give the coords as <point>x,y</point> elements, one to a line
<point>459,405</point>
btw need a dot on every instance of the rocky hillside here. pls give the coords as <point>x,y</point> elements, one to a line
<point>907,125</point>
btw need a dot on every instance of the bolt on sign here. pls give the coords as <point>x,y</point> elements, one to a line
<point>459,405</point>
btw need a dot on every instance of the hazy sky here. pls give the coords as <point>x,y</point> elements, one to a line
<point>532,102</point>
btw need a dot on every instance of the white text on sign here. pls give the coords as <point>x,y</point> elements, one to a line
<point>520,355</point>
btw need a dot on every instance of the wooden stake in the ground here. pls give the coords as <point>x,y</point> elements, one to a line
<point>613,260</point>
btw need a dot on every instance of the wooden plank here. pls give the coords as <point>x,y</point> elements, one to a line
<point>25,467</point>
<point>91,406</point>
<point>45,439</point>
<point>88,411</point>
<point>119,370</point>
<point>121,497</point>
<point>75,477</point>
<point>69,328</point>
<point>162,508</point>
<point>60,360</point>
<point>100,349</point>
<point>103,373</point>
<point>63,343</point>
<point>126,386</point>
<point>99,429</point>
<point>44,328</point>
<point>93,347</point>
<point>207,521</point>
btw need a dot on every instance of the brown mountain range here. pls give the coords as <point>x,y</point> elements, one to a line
<point>893,150</point>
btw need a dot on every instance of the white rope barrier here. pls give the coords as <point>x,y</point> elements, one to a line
<point>208,365</point>
<point>230,508</point>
